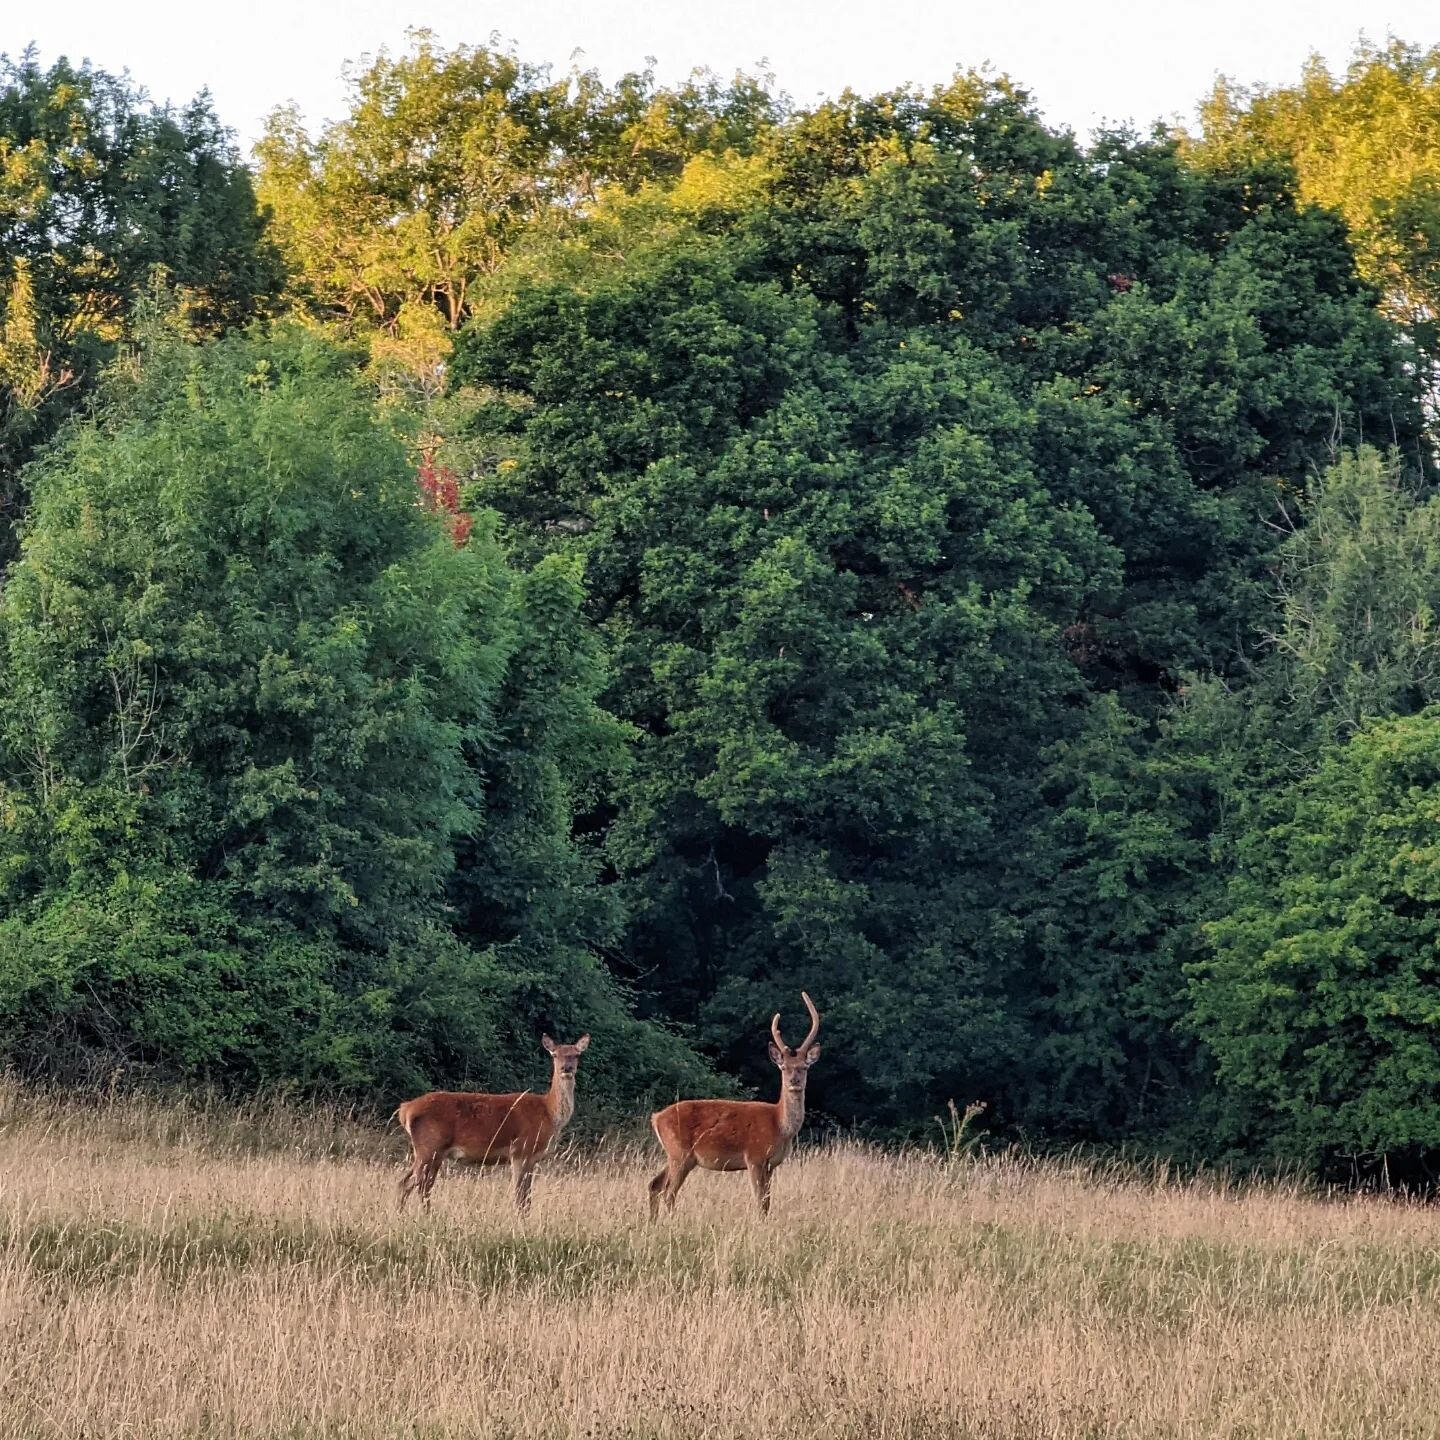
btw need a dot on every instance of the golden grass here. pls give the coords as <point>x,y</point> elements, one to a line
<point>172,1271</point>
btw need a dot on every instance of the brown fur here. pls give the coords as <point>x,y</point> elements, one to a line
<point>750,1135</point>
<point>478,1129</point>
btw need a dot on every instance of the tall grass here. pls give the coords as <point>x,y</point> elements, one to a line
<point>192,1270</point>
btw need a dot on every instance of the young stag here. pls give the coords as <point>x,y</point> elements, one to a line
<point>748,1135</point>
<point>490,1129</point>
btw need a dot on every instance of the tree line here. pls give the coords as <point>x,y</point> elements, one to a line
<point>541,552</point>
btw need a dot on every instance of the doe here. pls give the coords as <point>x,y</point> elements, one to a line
<point>490,1129</point>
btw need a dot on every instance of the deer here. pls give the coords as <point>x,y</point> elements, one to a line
<point>753,1135</point>
<point>490,1129</point>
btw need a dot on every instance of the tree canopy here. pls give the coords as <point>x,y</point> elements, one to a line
<point>451,160</point>
<point>100,192</point>
<point>254,699</point>
<point>940,457</point>
<point>1364,144</point>
<point>682,549</point>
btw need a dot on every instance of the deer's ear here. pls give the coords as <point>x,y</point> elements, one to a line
<point>775,1054</point>
<point>548,1043</point>
<point>582,1042</point>
<point>812,1055</point>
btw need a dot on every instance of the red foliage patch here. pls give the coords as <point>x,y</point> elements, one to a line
<point>440,490</point>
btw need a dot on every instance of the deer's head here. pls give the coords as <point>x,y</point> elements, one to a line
<point>565,1057</point>
<point>795,1063</point>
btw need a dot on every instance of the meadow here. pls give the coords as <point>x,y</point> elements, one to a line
<point>189,1270</point>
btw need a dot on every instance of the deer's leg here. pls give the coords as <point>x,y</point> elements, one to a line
<point>760,1182</point>
<point>524,1173</point>
<point>657,1188</point>
<point>429,1170</point>
<point>676,1173</point>
<point>414,1178</point>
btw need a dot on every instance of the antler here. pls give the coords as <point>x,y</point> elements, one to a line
<point>809,1040</point>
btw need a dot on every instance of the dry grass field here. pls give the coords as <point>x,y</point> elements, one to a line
<point>181,1272</point>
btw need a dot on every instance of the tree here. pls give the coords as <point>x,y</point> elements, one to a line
<point>887,462</point>
<point>451,160</point>
<point>1121,872</point>
<point>1350,641</point>
<point>1319,1001</point>
<point>253,696</point>
<point>1360,590</point>
<point>1366,145</point>
<point>1315,765</point>
<point>99,191</point>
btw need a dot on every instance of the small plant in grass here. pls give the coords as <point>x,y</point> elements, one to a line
<point>959,1134</point>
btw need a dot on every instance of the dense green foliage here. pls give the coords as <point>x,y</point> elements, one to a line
<point>99,191</point>
<point>1320,1002</point>
<point>686,551</point>
<point>1365,144</point>
<point>451,162</point>
<point>1313,994</point>
<point>253,698</point>
<point>908,491</point>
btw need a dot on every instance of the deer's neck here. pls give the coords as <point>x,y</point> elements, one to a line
<point>792,1111</point>
<point>560,1099</point>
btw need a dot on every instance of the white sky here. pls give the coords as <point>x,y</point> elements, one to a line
<point>1085,61</point>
